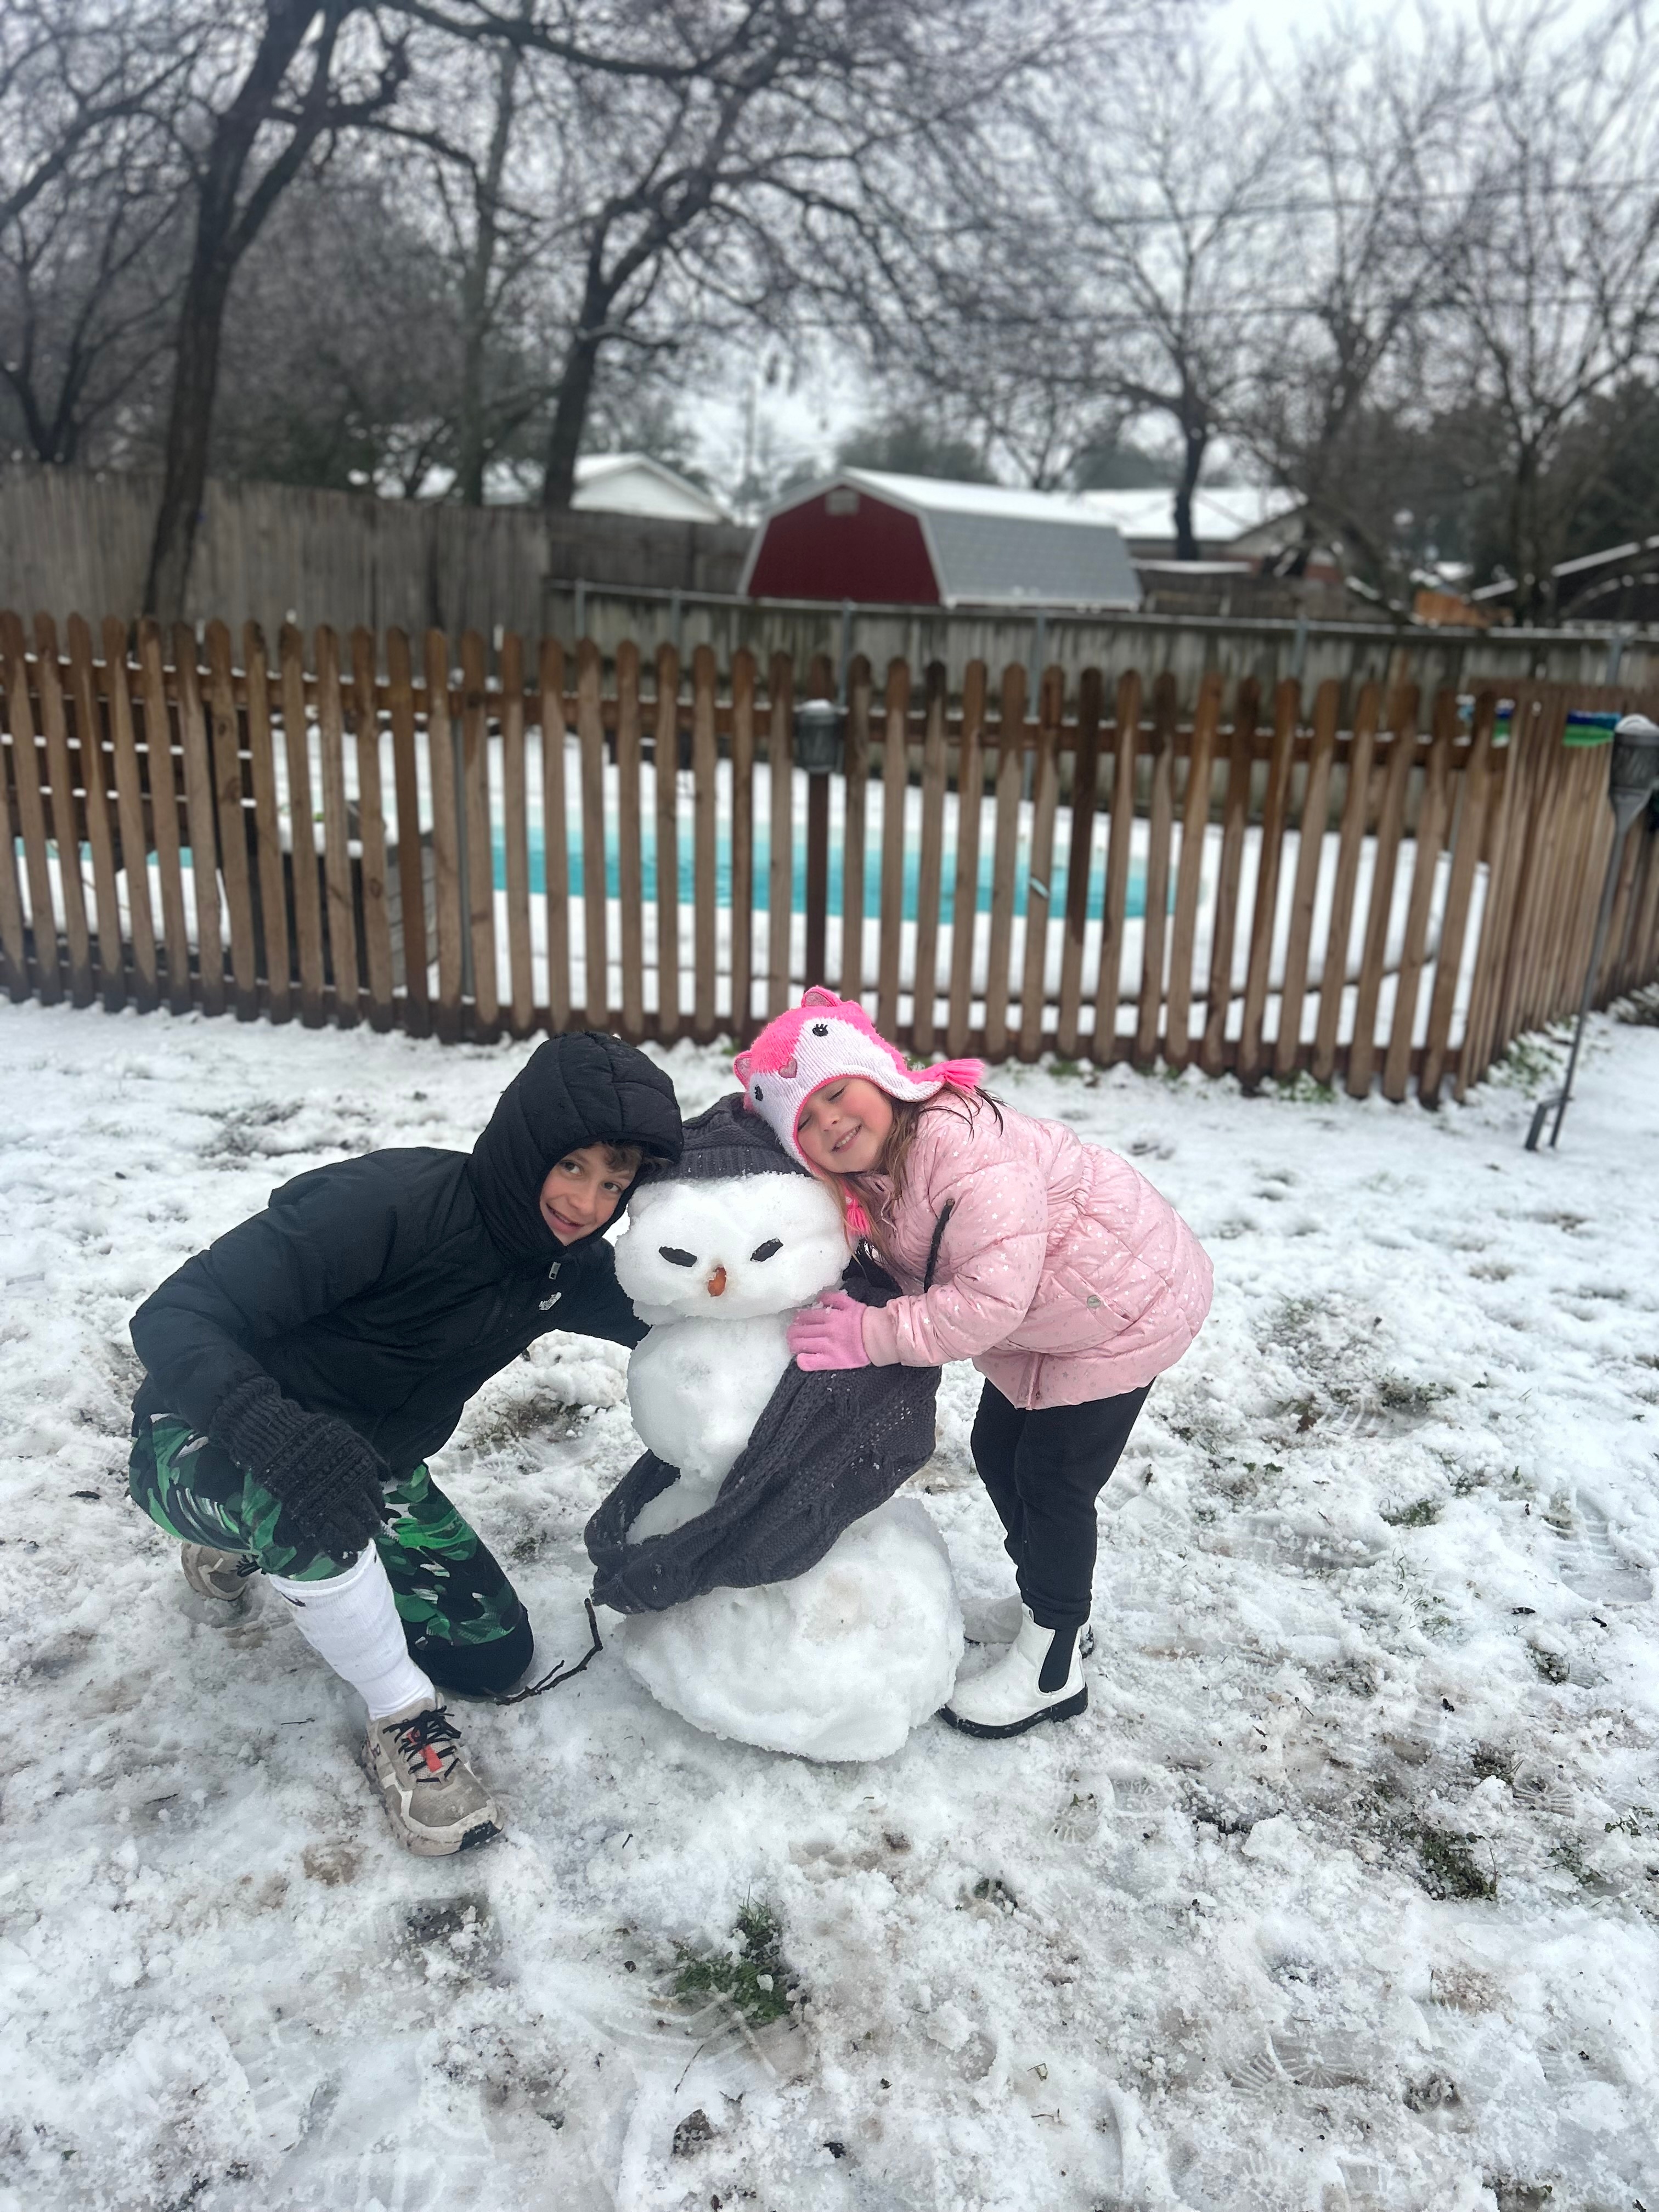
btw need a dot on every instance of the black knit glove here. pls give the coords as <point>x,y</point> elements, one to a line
<point>327,1476</point>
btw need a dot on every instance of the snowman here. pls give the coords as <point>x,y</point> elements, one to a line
<point>823,1617</point>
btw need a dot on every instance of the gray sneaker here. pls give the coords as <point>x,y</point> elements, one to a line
<point>226,1577</point>
<point>434,1800</point>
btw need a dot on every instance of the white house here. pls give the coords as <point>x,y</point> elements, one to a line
<point>634,483</point>
<point>1231,522</point>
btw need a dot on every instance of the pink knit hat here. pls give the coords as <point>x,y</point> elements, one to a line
<point>821,1040</point>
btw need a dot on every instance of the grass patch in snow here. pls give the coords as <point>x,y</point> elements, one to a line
<point>1302,1090</point>
<point>1450,1867</point>
<point>1530,1063</point>
<point>755,1976</point>
<point>1422,1515</point>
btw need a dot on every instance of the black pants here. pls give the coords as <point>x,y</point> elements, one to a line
<point>1044,1470</point>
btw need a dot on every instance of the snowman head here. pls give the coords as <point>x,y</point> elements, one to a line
<point>735,1231</point>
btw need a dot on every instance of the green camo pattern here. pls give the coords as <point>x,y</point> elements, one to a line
<point>448,1585</point>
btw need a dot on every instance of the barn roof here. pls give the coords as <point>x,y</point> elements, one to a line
<point>991,546</point>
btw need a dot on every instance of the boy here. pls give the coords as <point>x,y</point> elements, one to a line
<point>300,1371</point>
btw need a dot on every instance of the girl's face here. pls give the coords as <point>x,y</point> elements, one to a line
<point>844,1127</point>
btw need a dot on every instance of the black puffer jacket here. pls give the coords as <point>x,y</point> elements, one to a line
<point>385,1290</point>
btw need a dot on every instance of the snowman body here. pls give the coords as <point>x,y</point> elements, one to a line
<point>843,1660</point>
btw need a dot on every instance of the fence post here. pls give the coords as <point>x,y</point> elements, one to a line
<point>895,792</point>
<point>780,773</point>
<point>1039,900</point>
<point>924,998</point>
<point>596,889</point>
<point>665,755</point>
<point>1194,826</point>
<point>199,810</point>
<point>130,805</point>
<point>337,836</point>
<point>1155,907</point>
<point>1085,775</point>
<point>49,678</point>
<point>478,843</point>
<point>411,852</point>
<point>31,812</point>
<point>1126,737</point>
<point>705,756</point>
<point>1402,755</point>
<point>1010,785</point>
<point>1466,854</point>
<point>631,865</point>
<point>448,847</point>
<point>100,831</point>
<point>371,829</point>
<point>743,843</point>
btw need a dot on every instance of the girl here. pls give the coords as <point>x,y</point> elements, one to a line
<point>1056,1268</point>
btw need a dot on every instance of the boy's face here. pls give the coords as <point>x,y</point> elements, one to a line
<point>585,1188</point>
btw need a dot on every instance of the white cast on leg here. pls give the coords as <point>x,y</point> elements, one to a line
<point>352,1622</point>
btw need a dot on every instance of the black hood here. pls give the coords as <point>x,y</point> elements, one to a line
<point>581,1089</point>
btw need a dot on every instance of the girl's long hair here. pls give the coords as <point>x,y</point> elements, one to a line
<point>870,1214</point>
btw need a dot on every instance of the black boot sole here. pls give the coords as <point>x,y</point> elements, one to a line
<point>1066,1712</point>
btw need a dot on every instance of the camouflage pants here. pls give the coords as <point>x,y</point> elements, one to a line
<point>462,1618</point>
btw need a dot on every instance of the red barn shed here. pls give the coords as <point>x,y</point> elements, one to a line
<point>919,541</point>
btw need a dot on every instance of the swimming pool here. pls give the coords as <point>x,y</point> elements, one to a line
<point>1136,904</point>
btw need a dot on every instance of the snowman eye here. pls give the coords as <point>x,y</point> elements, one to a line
<point>676,1258</point>
<point>765,1251</point>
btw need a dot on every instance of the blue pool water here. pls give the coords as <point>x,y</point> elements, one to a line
<point>1136,908</point>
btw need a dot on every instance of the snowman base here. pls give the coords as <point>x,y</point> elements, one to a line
<point>840,1663</point>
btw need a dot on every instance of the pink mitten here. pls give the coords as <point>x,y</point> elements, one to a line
<point>829,1334</point>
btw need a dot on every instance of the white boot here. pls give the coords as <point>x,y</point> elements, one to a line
<point>1000,1623</point>
<point>1008,1698</point>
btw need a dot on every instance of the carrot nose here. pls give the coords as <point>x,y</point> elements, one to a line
<point>717,1282</point>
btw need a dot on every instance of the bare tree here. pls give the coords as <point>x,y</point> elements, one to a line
<point>1360,245</point>
<point>341,361</point>
<point>85,273</point>
<point>256,116</point>
<point>1552,293</point>
<point>67,75</point>
<point>1111,281</point>
<point>86,207</point>
<point>753,164</point>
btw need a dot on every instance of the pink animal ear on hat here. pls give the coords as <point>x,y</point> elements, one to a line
<point>740,1066</point>
<point>821,995</point>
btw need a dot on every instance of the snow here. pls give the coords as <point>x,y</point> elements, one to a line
<point>842,1664</point>
<point>1375,1616</point>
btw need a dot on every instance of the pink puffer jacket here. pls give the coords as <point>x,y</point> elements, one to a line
<point>1061,1273</point>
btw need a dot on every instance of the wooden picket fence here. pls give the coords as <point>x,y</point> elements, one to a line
<point>1391,891</point>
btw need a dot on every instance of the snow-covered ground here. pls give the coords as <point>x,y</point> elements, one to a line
<point>1376,1620</point>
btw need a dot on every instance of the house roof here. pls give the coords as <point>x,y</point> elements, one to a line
<point>993,546</point>
<point>1221,514</point>
<point>638,483</point>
